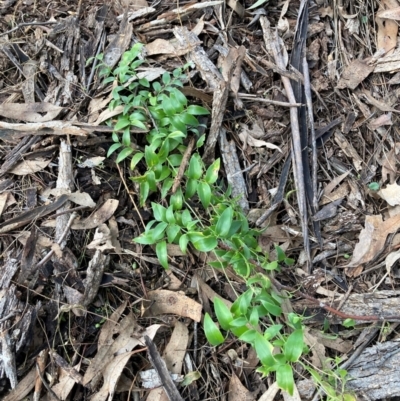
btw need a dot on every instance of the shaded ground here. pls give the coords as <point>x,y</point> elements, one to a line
<point>78,296</point>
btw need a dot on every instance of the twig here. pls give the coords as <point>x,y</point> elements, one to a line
<point>127,190</point>
<point>182,167</point>
<point>262,100</point>
<point>61,239</point>
<point>48,388</point>
<point>22,24</point>
<point>271,44</point>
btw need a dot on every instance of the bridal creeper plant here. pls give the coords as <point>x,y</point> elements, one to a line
<point>222,230</point>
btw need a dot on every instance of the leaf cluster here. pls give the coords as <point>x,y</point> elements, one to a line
<point>199,214</point>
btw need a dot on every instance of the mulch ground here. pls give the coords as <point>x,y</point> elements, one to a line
<point>78,297</point>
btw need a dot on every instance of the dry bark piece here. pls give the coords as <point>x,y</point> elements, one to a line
<point>233,170</point>
<point>196,53</point>
<point>348,150</point>
<point>375,371</point>
<point>33,214</point>
<point>177,303</point>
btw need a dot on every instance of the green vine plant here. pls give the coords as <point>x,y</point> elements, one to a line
<point>162,110</point>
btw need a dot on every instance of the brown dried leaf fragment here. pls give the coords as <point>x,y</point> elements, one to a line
<point>354,74</point>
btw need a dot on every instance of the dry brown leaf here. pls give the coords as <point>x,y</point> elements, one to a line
<point>387,28</point>
<point>31,112</point>
<point>101,239</point>
<point>372,238</point>
<point>29,167</point>
<point>177,303</point>
<point>65,384</point>
<point>318,355</point>
<point>391,194</point>
<point>393,13</point>
<point>270,394</point>
<point>80,198</point>
<point>173,356</point>
<point>160,46</point>
<point>92,162</point>
<point>249,138</point>
<point>3,201</point>
<point>294,397</point>
<point>384,119</point>
<point>354,74</point>
<point>237,391</point>
<point>391,259</point>
<point>100,216</point>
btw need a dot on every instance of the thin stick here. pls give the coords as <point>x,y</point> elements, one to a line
<point>22,24</point>
<point>182,167</point>
<point>61,239</point>
<point>262,100</point>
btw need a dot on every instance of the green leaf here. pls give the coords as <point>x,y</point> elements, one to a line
<point>138,124</point>
<point>224,222</point>
<point>193,376</point>
<point>126,138</point>
<point>284,378</point>
<point>212,332</point>
<point>145,239</point>
<point>195,169</point>
<point>124,154</point>
<point>197,110</point>
<point>273,309</point>
<point>176,199</point>
<point>254,318</point>
<point>200,141</point>
<point>204,192</point>
<point>144,82</point>
<point>168,106</point>
<point>144,192</point>
<point>191,188</point>
<point>257,4</point>
<point>167,184</point>
<point>170,215</point>
<point>188,119</point>
<point>162,255</point>
<point>172,232</point>
<point>122,122</point>
<point>272,331</point>
<point>349,323</point>
<point>150,156</point>
<point>212,172</point>
<point>136,159</point>
<point>159,212</point>
<point>166,78</point>
<point>248,336</point>
<point>158,230</point>
<point>280,253</point>
<point>294,345</point>
<point>223,313</point>
<point>186,218</point>
<point>238,322</point>
<point>183,243</point>
<point>264,350</point>
<point>206,244</point>
<point>113,148</point>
